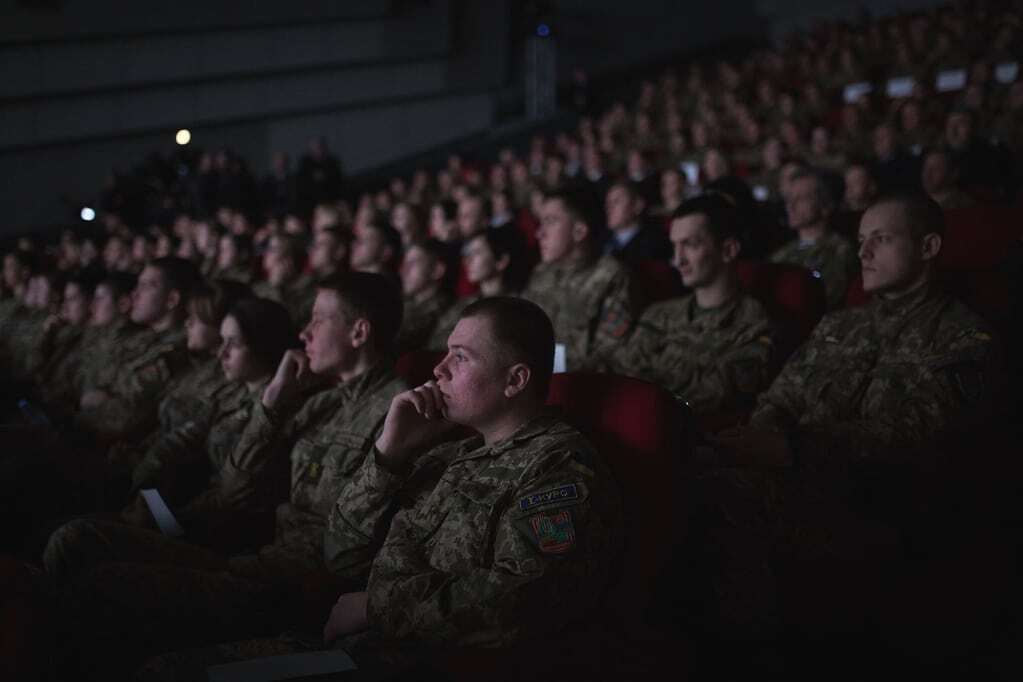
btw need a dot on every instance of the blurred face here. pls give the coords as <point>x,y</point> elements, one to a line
<point>884,142</point>
<point>75,307</point>
<point>150,300</point>
<point>934,176</point>
<point>620,208</point>
<point>470,216</point>
<point>202,337</point>
<point>278,266</point>
<point>113,254</point>
<point>227,255</point>
<point>236,360</point>
<point>322,252</point>
<point>480,264</point>
<point>14,274</point>
<point>891,258</point>
<point>697,257</point>
<point>958,130</point>
<point>555,233</point>
<point>671,186</point>
<point>858,188</point>
<point>403,220</point>
<point>418,272</point>
<point>471,377</point>
<point>327,337</point>
<point>801,204</point>
<point>715,165</point>
<point>368,249</point>
<point>440,227</point>
<point>104,306</point>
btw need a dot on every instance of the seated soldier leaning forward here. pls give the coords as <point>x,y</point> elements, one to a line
<point>477,534</point>
<point>865,407</point>
<point>160,595</point>
<point>713,346</point>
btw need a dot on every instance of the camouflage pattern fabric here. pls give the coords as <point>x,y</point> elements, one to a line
<point>297,296</point>
<point>420,320</point>
<point>833,258</point>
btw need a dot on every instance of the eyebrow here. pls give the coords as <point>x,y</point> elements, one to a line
<point>462,348</point>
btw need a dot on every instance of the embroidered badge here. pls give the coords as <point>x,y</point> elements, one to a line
<point>553,496</point>
<point>554,533</point>
<point>314,471</point>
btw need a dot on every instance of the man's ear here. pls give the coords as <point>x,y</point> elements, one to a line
<point>580,231</point>
<point>502,263</point>
<point>518,378</point>
<point>124,304</point>
<point>730,249</point>
<point>930,246</point>
<point>173,300</point>
<point>438,272</point>
<point>359,334</point>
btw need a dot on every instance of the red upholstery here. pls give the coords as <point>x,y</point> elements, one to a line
<point>637,426</point>
<point>464,287</point>
<point>416,367</point>
<point>657,280</point>
<point>794,299</point>
<point>855,295</point>
<point>979,236</point>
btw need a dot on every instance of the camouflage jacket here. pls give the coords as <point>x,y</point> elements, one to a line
<point>297,296</point>
<point>832,258</point>
<point>483,536</point>
<point>191,393</point>
<point>420,319</point>
<point>714,358</point>
<point>592,304</point>
<point>328,439</point>
<point>59,379</point>
<point>876,383</point>
<point>114,345</point>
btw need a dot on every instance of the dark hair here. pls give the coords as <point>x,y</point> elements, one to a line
<point>720,211</point>
<point>391,238</point>
<point>582,207</point>
<point>242,243</point>
<point>507,241</point>
<point>825,194</point>
<point>178,274</point>
<point>372,297</point>
<point>212,300</point>
<point>266,327</point>
<point>293,249</point>
<point>120,283</point>
<point>923,214</point>
<point>523,331</point>
<point>439,252</point>
<point>85,280</point>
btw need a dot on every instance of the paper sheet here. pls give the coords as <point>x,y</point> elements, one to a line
<point>162,514</point>
<point>283,667</point>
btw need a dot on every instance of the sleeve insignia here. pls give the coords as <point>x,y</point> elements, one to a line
<point>982,336</point>
<point>766,340</point>
<point>555,496</point>
<point>554,532</point>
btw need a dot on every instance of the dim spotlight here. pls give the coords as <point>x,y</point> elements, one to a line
<point>183,137</point>
<point>88,215</point>
<point>543,30</point>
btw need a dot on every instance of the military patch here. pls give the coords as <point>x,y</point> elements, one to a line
<point>766,340</point>
<point>557,495</point>
<point>313,472</point>
<point>554,533</point>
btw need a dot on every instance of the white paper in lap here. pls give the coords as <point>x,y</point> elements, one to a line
<point>559,358</point>
<point>162,514</point>
<point>286,667</point>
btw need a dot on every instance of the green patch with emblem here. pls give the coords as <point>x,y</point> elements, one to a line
<point>553,532</point>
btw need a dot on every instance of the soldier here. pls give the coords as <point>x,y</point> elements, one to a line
<point>476,533</point>
<point>234,258</point>
<point>630,240</point>
<point>328,254</point>
<point>126,408</point>
<point>376,248</point>
<point>349,340</point>
<point>711,347</point>
<point>110,317</point>
<point>828,255</point>
<point>863,407</point>
<point>425,274</point>
<point>591,300</point>
<point>285,283</point>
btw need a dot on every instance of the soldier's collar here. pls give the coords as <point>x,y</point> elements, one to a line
<point>717,316</point>
<point>530,429</point>
<point>906,304</point>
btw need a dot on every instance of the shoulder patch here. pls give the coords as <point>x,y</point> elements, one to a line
<point>553,496</point>
<point>554,533</point>
<point>766,340</point>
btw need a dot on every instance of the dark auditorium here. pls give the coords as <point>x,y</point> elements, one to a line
<point>391,340</point>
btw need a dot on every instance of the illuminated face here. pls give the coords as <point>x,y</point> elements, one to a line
<point>75,307</point>
<point>227,254</point>
<point>619,208</point>
<point>890,256</point>
<point>201,336</point>
<point>698,258</point>
<point>368,249</point>
<point>322,252</point>
<point>236,360</point>
<point>149,301</point>
<point>104,306</point>
<point>417,271</point>
<point>480,264</point>
<point>327,337</point>
<point>801,203</point>
<point>470,216</point>
<point>471,376</point>
<point>554,234</point>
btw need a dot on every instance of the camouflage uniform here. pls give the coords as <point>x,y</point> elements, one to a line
<point>297,296</point>
<point>235,273</point>
<point>447,322</point>
<point>714,358</point>
<point>832,258</point>
<point>420,320</point>
<point>482,539</point>
<point>24,334</point>
<point>113,344</point>
<point>866,405</point>
<point>57,366</point>
<point>592,304</point>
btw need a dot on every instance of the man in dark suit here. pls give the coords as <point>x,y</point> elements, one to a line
<point>629,239</point>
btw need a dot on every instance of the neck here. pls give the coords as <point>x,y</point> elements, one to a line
<point>491,287</point>
<point>922,281</point>
<point>718,292</point>
<point>811,233</point>
<point>510,421</point>
<point>362,364</point>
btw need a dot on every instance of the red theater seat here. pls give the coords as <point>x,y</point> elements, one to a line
<point>794,299</point>
<point>657,281</point>
<point>979,236</point>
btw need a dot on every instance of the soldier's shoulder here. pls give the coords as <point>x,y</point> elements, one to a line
<point>750,310</point>
<point>961,329</point>
<point>607,268</point>
<point>669,309</point>
<point>784,253</point>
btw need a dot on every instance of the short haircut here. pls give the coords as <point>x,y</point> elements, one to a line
<point>720,211</point>
<point>922,213</point>
<point>825,196</point>
<point>373,297</point>
<point>293,249</point>
<point>507,241</point>
<point>211,300</point>
<point>582,207</point>
<point>120,283</point>
<point>179,274</point>
<point>391,237</point>
<point>267,329</point>
<point>523,331</point>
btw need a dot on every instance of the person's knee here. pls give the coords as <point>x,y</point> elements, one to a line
<point>66,549</point>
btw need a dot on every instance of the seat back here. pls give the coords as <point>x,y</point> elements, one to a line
<point>637,427</point>
<point>794,299</point>
<point>979,236</point>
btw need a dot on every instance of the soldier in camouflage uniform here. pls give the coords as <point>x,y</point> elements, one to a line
<point>285,282</point>
<point>477,534</point>
<point>59,353</point>
<point>111,330</point>
<point>864,406</point>
<point>713,346</point>
<point>355,321</point>
<point>424,278</point>
<point>817,248</point>
<point>591,300</point>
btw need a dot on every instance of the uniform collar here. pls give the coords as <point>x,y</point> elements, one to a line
<point>474,448</point>
<point>717,317</point>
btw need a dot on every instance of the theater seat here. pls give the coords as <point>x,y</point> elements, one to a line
<point>979,236</point>
<point>657,281</point>
<point>416,367</point>
<point>794,299</point>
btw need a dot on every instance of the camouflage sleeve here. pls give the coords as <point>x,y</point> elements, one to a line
<point>780,406</point>
<point>542,552</point>
<point>618,312</point>
<point>730,379</point>
<point>173,450</point>
<point>131,409</point>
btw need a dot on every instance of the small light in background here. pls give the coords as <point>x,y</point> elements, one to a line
<point>543,30</point>
<point>183,137</point>
<point>88,215</point>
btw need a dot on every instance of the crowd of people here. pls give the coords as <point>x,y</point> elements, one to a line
<point>232,344</point>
